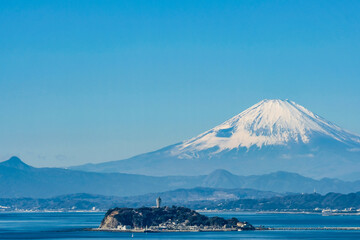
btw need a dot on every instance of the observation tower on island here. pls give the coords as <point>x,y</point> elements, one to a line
<point>158,202</point>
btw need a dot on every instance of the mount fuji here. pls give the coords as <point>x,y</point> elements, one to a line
<point>272,135</point>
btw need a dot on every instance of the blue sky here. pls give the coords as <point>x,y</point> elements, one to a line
<point>94,81</point>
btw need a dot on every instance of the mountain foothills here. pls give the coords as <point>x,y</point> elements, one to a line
<point>21,180</point>
<point>84,201</point>
<point>298,202</point>
<point>272,135</point>
<point>291,202</point>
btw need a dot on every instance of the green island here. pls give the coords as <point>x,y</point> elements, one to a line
<point>166,219</point>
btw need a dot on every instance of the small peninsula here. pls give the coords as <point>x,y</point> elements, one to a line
<point>166,219</point>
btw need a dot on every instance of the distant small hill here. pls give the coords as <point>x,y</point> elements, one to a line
<point>15,163</point>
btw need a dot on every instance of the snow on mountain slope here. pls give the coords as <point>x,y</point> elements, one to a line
<point>269,122</point>
<point>272,135</point>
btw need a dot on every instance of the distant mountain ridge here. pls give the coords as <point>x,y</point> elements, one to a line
<point>182,195</point>
<point>21,180</point>
<point>297,202</point>
<point>272,201</point>
<point>84,201</point>
<point>272,135</point>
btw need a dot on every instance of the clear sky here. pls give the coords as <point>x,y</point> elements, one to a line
<point>94,81</point>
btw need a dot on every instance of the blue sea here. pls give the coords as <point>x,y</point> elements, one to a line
<point>71,225</point>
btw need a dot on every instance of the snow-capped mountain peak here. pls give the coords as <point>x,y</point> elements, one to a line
<point>269,122</point>
<point>272,135</point>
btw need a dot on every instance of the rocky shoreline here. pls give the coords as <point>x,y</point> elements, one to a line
<point>162,230</point>
<point>167,219</point>
<point>230,229</point>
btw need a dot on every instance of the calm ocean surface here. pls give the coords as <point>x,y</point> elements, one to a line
<point>70,225</point>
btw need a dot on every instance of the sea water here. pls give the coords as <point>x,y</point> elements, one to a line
<point>71,225</point>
